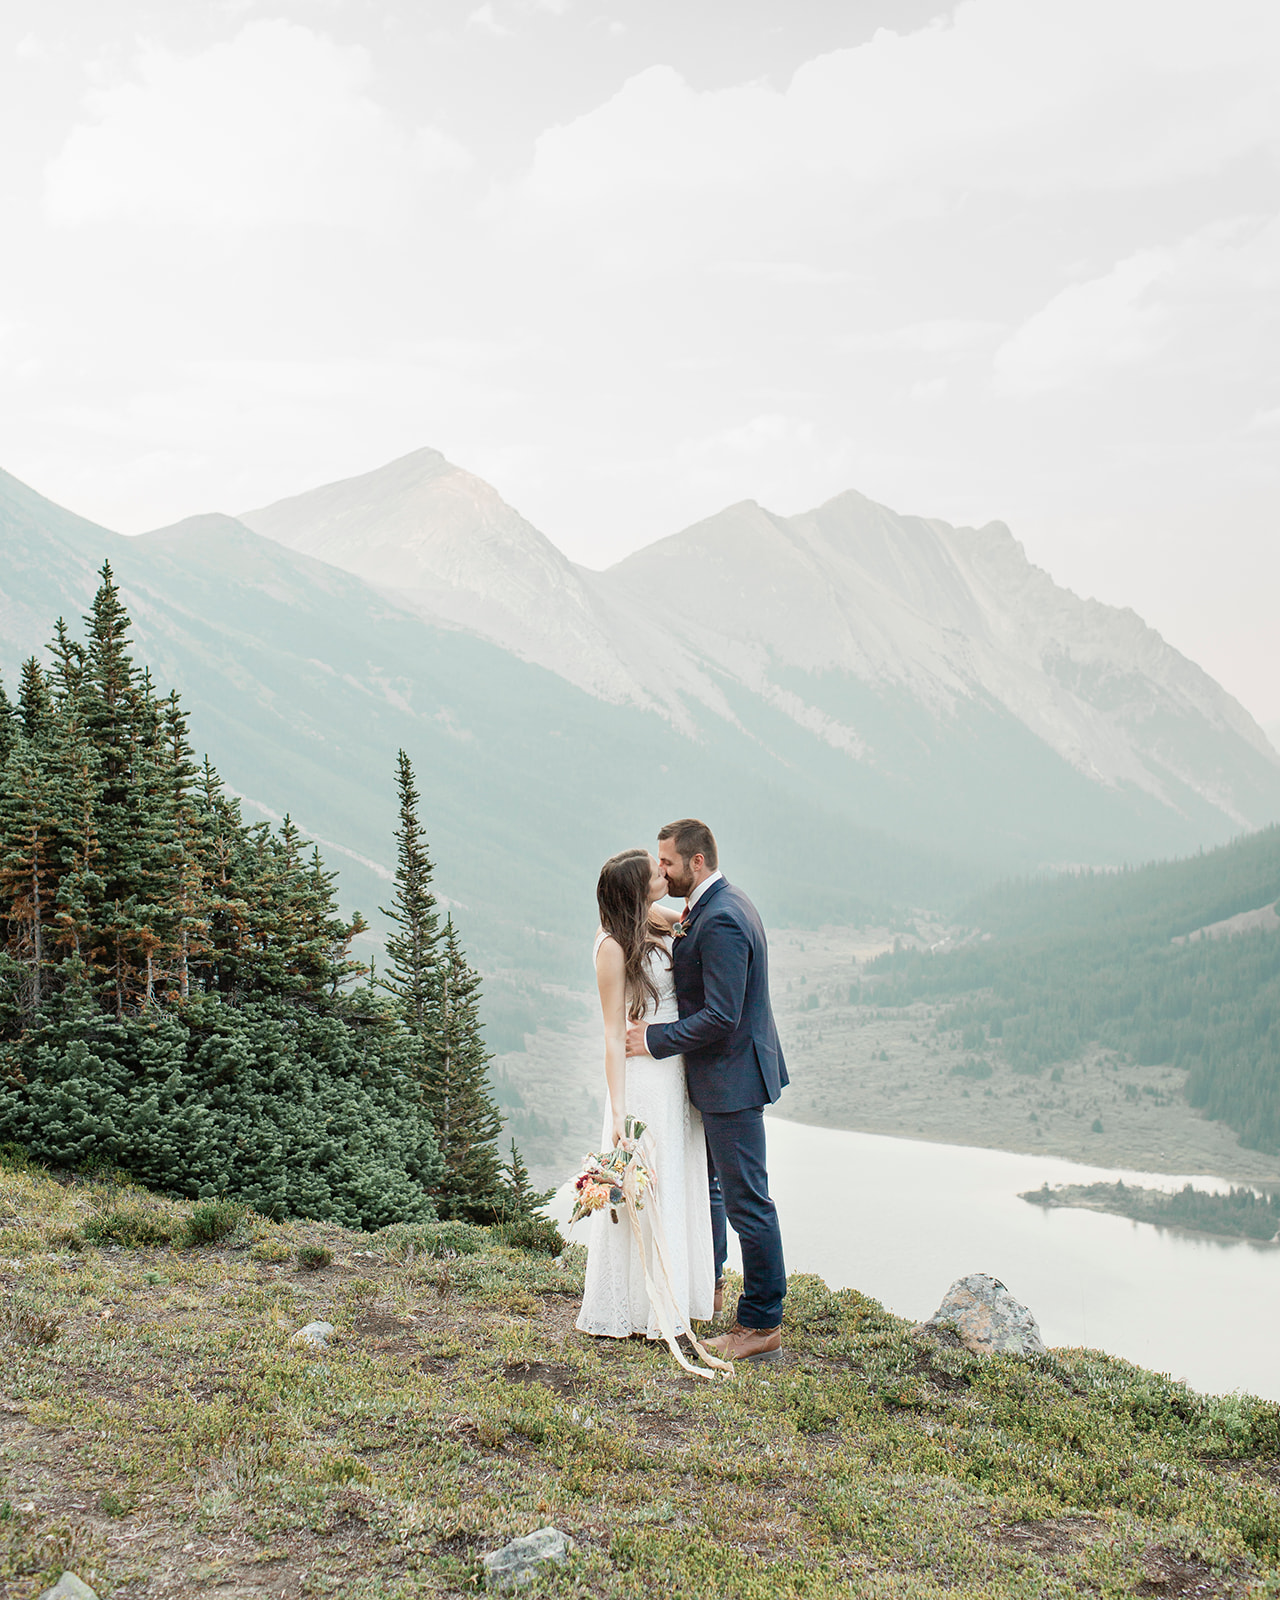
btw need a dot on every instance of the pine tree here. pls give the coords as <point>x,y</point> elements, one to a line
<point>189,905</point>
<point>456,1091</point>
<point>520,1199</point>
<point>411,947</point>
<point>35,704</point>
<point>108,678</point>
<point>28,871</point>
<point>8,725</point>
<point>223,849</point>
<point>437,997</point>
<point>69,662</point>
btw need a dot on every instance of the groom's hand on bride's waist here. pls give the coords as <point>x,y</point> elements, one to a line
<point>635,1039</point>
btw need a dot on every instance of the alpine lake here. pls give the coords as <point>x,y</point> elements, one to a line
<point>902,1219</point>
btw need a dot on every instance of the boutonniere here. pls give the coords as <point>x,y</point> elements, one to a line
<point>678,930</point>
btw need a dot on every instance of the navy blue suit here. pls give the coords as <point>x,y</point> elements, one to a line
<point>734,1068</point>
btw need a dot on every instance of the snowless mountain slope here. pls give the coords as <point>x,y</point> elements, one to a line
<point>871,632</point>
<point>447,545</point>
<point>947,615</point>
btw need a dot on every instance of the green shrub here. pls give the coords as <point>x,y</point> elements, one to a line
<point>435,1239</point>
<point>15,1157</point>
<point>135,1227</point>
<point>212,1221</point>
<point>271,1250</point>
<point>537,1234</point>
<point>314,1257</point>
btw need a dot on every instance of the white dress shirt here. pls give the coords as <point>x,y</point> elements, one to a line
<point>702,888</point>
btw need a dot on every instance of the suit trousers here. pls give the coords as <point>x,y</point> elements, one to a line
<point>740,1193</point>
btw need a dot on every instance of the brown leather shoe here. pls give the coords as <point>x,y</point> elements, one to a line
<point>717,1304</point>
<point>748,1344</point>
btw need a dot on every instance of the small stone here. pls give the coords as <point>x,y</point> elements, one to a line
<point>69,1587</point>
<point>986,1318</point>
<point>316,1334</point>
<point>516,1562</point>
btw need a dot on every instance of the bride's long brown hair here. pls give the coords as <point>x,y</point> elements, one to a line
<point>622,894</point>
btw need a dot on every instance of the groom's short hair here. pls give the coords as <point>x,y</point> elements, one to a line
<point>692,838</point>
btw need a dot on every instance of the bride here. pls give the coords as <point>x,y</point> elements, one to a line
<point>633,974</point>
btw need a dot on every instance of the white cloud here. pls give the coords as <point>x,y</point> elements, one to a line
<point>942,336</point>
<point>275,125</point>
<point>1088,329</point>
<point>785,272</point>
<point>485,17</point>
<point>1005,98</point>
<point>767,431</point>
<point>1201,293</point>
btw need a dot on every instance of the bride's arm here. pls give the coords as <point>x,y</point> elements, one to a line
<point>611,980</point>
<point>665,915</point>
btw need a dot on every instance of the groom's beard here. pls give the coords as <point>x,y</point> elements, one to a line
<point>678,884</point>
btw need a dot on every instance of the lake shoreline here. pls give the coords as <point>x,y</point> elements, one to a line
<point>1237,1215</point>
<point>1100,1152</point>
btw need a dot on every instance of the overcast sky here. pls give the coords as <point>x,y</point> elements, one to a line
<point>633,260</point>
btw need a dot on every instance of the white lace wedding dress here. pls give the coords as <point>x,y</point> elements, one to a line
<point>615,1302</point>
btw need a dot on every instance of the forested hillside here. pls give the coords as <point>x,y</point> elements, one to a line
<point>1088,959</point>
<point>176,994</point>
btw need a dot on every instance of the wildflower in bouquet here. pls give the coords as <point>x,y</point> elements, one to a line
<point>608,1178</point>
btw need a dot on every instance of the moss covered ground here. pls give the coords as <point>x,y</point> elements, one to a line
<point>160,1434</point>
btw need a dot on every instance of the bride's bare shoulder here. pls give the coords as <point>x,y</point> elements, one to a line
<point>608,950</point>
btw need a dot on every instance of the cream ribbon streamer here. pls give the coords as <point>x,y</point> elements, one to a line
<point>662,1297</point>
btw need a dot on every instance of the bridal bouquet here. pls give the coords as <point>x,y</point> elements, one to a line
<point>603,1178</point>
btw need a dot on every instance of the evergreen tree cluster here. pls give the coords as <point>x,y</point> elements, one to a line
<point>1092,959</point>
<point>176,985</point>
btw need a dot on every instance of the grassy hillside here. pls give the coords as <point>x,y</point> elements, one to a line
<point>160,1433</point>
<point>1092,960</point>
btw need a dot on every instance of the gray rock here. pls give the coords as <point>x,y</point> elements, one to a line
<point>69,1587</point>
<point>315,1333</point>
<point>516,1562</point>
<point>986,1318</point>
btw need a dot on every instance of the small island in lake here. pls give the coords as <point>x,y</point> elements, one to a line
<point>1237,1214</point>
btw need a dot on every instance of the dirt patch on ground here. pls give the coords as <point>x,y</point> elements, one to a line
<point>1055,1536</point>
<point>1169,1574</point>
<point>560,1380</point>
<point>383,1331</point>
<point>660,1428</point>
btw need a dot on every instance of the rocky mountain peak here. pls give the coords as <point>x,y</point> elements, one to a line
<point>824,617</point>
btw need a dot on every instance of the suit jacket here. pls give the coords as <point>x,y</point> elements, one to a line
<point>726,1031</point>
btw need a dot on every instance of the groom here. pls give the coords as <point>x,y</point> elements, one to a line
<point>733,1066</point>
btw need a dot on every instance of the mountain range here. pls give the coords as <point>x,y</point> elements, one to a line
<point>873,709</point>
<point>866,629</point>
